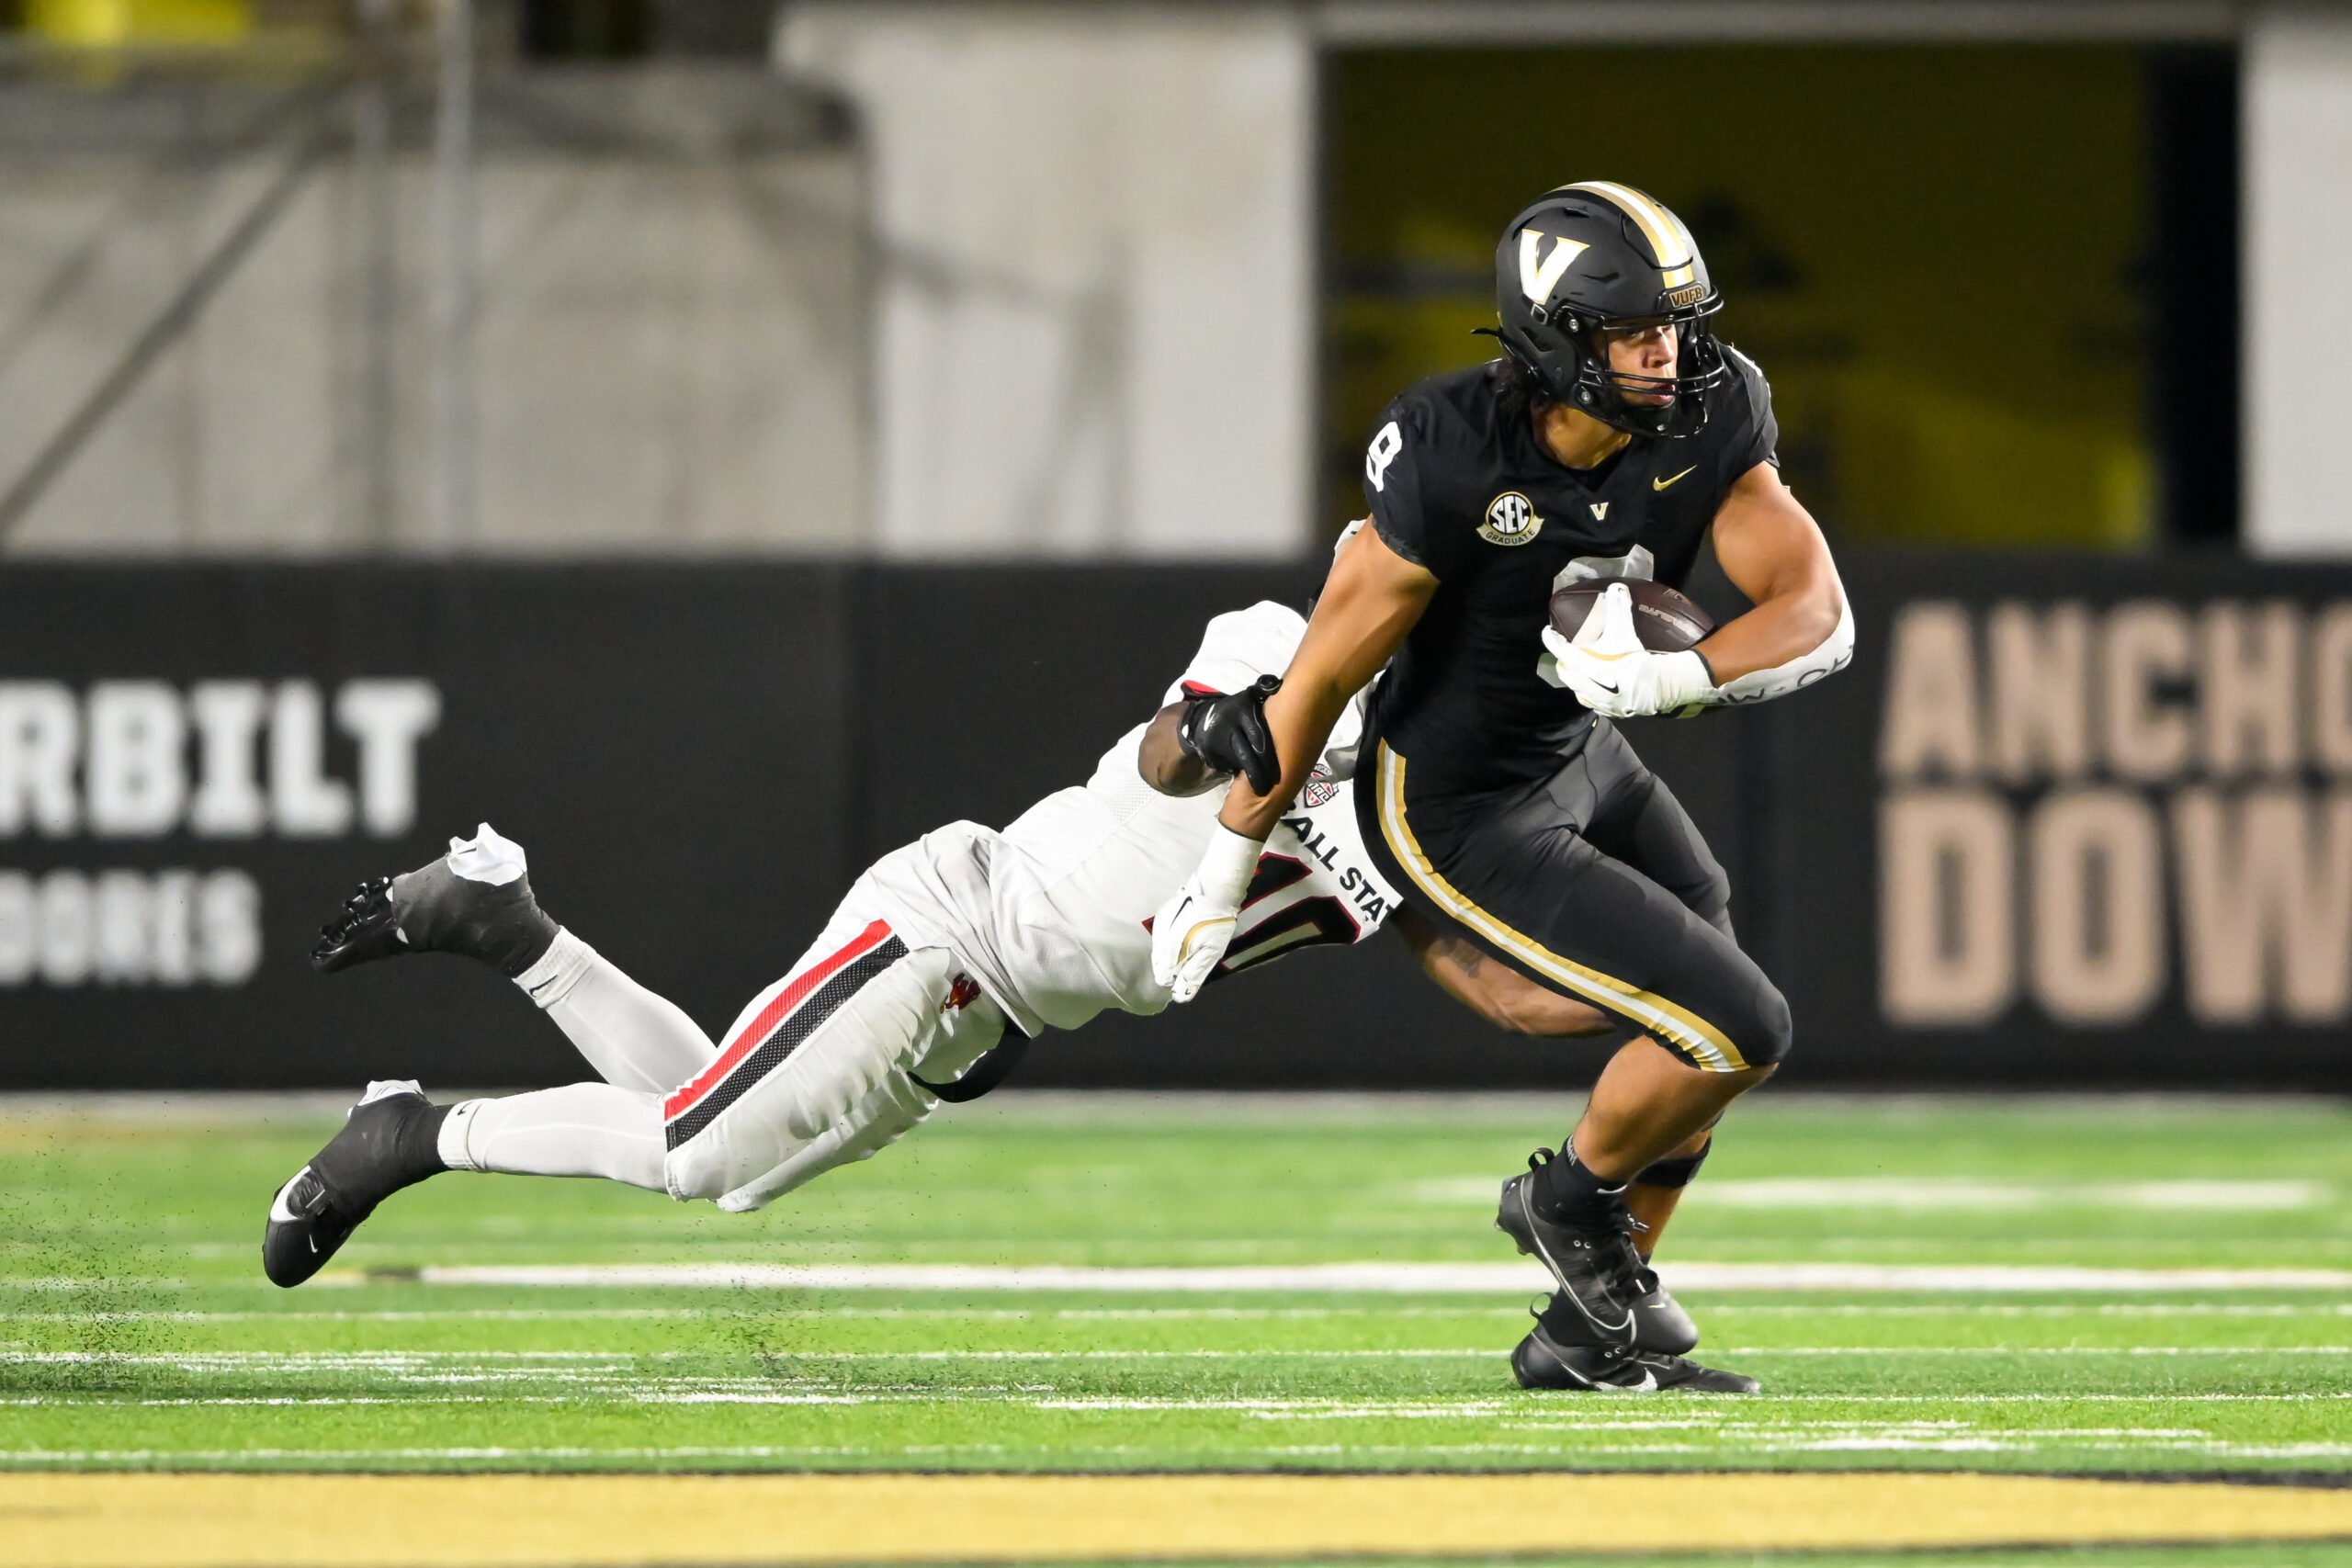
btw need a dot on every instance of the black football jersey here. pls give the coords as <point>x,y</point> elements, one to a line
<point>1461,486</point>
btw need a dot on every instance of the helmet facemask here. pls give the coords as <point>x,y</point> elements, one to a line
<point>1568,355</point>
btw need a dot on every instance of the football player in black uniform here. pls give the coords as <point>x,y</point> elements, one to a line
<point>1612,437</point>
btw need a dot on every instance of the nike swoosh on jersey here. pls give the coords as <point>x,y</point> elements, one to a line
<point>1661,484</point>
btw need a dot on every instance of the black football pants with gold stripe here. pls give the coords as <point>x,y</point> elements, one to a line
<point>1593,883</point>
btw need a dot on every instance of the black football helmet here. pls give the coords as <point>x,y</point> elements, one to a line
<point>1586,258</point>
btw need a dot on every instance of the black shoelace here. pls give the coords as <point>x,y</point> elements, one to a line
<point>1619,1261</point>
<point>1620,1266</point>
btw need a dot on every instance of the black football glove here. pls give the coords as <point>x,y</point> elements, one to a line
<point>1229,733</point>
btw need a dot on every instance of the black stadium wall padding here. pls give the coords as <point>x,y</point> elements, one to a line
<point>2066,821</point>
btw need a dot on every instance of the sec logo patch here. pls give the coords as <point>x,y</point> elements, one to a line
<point>1511,520</point>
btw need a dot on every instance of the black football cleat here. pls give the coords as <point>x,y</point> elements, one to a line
<point>450,905</point>
<point>388,1142</point>
<point>1661,1325</point>
<point>1551,1358</point>
<point>1597,1270</point>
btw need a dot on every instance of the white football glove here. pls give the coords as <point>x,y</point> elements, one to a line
<point>1612,673</point>
<point>1190,933</point>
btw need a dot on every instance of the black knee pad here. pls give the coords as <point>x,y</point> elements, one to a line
<point>1675,1170</point>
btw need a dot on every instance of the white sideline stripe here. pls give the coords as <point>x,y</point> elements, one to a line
<point>1938,1193</point>
<point>1396,1278</point>
<point>1390,1279</point>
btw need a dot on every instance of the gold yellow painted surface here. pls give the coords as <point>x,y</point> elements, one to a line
<point>104,24</point>
<point>330,1521</point>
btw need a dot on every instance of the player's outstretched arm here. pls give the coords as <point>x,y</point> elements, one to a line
<point>1199,741</point>
<point>1800,628</point>
<point>1369,601</point>
<point>1372,599</point>
<point>1162,761</point>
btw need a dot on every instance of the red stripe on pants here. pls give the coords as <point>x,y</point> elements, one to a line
<point>684,1099</point>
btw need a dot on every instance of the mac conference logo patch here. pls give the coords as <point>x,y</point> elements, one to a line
<point>1511,520</point>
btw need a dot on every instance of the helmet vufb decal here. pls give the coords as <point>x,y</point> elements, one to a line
<point>1538,278</point>
<point>1669,241</point>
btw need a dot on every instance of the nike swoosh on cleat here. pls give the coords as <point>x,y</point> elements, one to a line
<point>1527,1215</point>
<point>1661,484</point>
<point>1603,1385</point>
<point>280,1214</point>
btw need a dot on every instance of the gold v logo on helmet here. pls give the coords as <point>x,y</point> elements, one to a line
<point>1537,279</point>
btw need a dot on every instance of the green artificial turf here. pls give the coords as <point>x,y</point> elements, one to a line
<point>135,1330</point>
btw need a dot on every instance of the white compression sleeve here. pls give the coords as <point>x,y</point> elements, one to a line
<point>582,1129</point>
<point>633,1038</point>
<point>1763,685</point>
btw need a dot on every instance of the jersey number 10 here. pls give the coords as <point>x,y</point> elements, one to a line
<point>1270,926</point>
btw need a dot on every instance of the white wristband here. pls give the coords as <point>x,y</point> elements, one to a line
<point>1762,685</point>
<point>1683,679</point>
<point>1228,865</point>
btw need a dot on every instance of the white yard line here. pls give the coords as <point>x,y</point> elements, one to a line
<point>1350,1279</point>
<point>1940,1279</point>
<point>2069,1309</point>
<point>2037,1350</point>
<point>274,1456</point>
<point>455,1314</point>
<point>964,1313</point>
<point>960,1314</point>
<point>616,1361</point>
<point>1377,1279</point>
<point>2024,1442</point>
<point>590,1366</point>
<point>1912,1194</point>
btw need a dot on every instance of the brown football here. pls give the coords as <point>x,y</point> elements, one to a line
<point>1668,622</point>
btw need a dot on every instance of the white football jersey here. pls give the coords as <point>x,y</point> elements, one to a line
<point>1051,916</point>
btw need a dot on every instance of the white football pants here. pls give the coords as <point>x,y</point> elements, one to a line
<point>817,1071</point>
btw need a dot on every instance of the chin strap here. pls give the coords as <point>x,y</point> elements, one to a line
<point>1763,685</point>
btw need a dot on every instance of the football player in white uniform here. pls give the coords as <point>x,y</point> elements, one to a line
<point>903,1000</point>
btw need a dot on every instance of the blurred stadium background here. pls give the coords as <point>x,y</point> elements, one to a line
<point>599,415</point>
<point>777,431</point>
